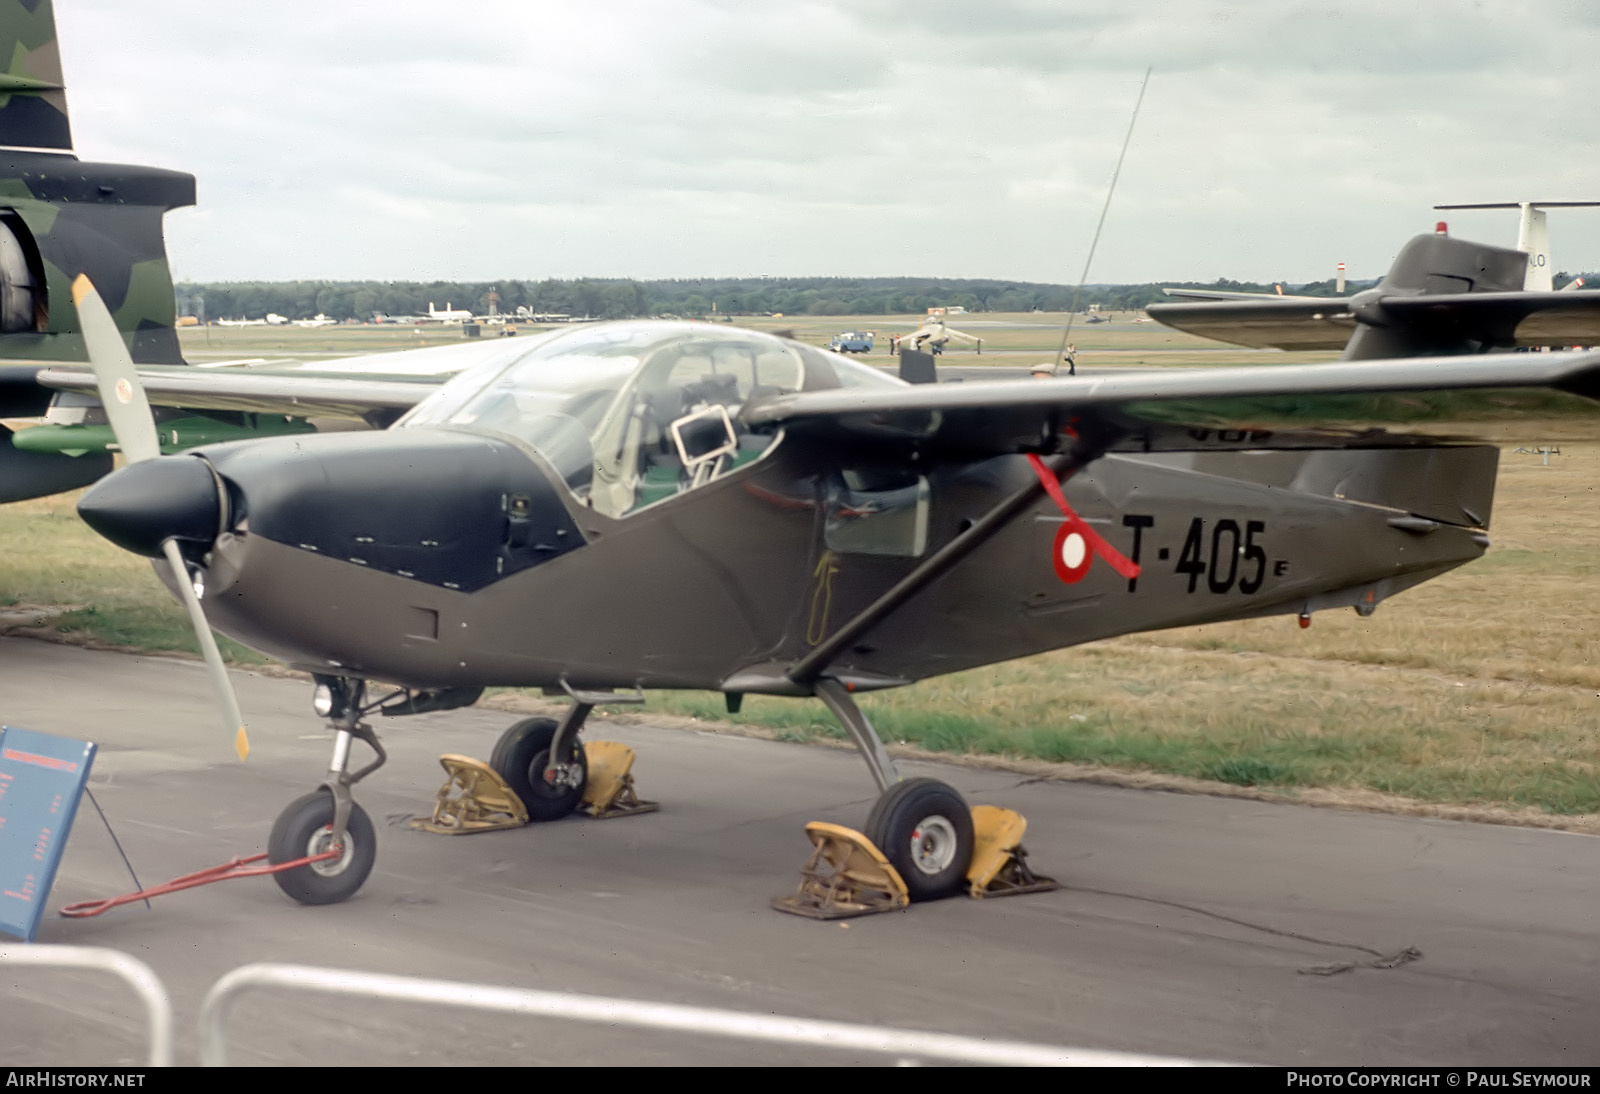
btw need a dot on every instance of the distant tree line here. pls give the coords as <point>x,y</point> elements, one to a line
<point>689,298</point>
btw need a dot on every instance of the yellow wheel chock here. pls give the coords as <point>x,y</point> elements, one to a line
<point>609,791</point>
<point>845,876</point>
<point>473,799</point>
<point>999,863</point>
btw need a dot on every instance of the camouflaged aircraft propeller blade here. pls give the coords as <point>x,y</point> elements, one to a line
<point>126,407</point>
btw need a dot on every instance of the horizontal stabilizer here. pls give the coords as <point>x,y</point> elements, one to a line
<point>1499,320</point>
<point>1441,296</point>
<point>1278,323</point>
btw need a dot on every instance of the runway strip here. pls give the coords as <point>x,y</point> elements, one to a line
<point>1188,926</point>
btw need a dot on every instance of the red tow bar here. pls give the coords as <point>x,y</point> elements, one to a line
<point>238,867</point>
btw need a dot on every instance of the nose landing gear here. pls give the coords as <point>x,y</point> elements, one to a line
<point>328,818</point>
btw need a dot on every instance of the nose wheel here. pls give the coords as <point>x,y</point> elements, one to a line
<point>305,829</point>
<point>328,818</point>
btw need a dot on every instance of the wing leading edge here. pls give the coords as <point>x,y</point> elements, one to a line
<point>309,395</point>
<point>1031,416</point>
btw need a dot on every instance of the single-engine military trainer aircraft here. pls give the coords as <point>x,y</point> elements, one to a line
<point>681,505</point>
<point>677,505</point>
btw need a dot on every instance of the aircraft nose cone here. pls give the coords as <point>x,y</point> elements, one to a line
<point>143,505</point>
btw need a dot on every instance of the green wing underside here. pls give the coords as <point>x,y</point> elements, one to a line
<point>300,394</point>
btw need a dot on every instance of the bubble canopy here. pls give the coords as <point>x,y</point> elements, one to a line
<point>630,414</point>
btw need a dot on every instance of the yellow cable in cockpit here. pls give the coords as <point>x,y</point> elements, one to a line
<point>821,598</point>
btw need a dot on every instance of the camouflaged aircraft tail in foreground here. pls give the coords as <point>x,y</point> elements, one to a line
<point>61,217</point>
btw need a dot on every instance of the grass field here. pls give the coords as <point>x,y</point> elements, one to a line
<point>1479,688</point>
<point>1008,339</point>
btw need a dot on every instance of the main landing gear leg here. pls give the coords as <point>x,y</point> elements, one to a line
<point>922,826</point>
<point>328,818</point>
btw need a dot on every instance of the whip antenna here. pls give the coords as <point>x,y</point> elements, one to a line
<point>1077,294</point>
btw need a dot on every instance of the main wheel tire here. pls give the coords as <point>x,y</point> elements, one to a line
<point>304,829</point>
<point>520,757</point>
<point>924,828</point>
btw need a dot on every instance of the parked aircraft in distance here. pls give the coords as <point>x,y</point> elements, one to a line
<point>449,315</point>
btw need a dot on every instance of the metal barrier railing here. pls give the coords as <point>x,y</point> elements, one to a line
<point>906,1045</point>
<point>903,1045</point>
<point>134,972</point>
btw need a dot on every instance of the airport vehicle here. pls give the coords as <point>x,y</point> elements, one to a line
<point>855,341</point>
<point>679,505</point>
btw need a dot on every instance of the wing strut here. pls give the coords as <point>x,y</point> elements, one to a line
<point>1051,473</point>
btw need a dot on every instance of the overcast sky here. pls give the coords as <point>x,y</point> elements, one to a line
<point>482,139</point>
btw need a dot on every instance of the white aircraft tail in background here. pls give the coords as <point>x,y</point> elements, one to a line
<point>1533,236</point>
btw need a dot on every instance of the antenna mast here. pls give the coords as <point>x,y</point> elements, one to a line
<point>1077,294</point>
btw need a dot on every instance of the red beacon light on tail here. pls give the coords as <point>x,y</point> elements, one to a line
<point>1441,229</point>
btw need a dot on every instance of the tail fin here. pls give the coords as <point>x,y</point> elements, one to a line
<point>1533,236</point>
<point>60,217</point>
<point>33,112</point>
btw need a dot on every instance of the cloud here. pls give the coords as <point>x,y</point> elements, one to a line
<point>857,137</point>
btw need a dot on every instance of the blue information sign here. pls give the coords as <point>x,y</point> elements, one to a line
<point>41,780</point>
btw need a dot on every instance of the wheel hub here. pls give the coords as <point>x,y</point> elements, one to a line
<point>564,776</point>
<point>933,845</point>
<point>323,841</point>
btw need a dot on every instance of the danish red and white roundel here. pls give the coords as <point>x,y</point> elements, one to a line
<point>1072,555</point>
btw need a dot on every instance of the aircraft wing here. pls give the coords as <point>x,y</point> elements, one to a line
<point>373,387</point>
<point>1228,294</point>
<point>299,395</point>
<point>1491,318</point>
<point>1156,407</point>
